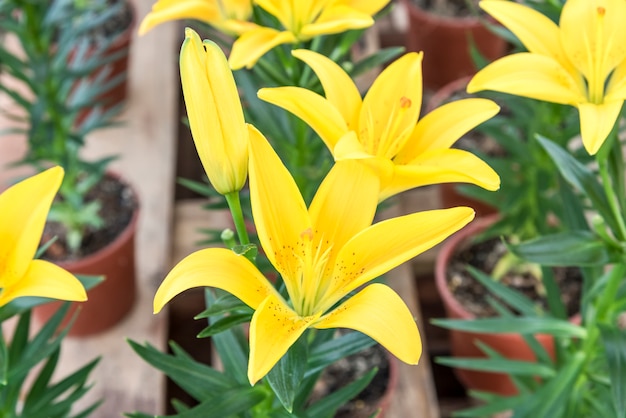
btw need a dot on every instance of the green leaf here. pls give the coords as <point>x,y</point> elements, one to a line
<point>513,298</point>
<point>376,59</point>
<point>329,352</point>
<point>224,304</point>
<point>572,248</point>
<point>197,379</point>
<point>286,376</point>
<point>614,340</point>
<point>328,405</point>
<point>580,177</point>
<point>518,325</point>
<point>225,323</point>
<point>514,367</point>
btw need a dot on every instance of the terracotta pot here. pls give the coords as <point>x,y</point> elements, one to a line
<point>462,343</point>
<point>449,195</point>
<point>110,301</point>
<point>446,44</point>
<point>392,385</point>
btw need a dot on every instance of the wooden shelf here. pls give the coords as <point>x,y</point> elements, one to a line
<point>146,145</point>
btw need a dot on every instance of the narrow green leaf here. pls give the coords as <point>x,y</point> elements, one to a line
<point>579,176</point>
<point>614,340</point>
<point>286,376</point>
<point>328,405</point>
<point>515,367</point>
<point>513,298</point>
<point>324,354</point>
<point>572,248</point>
<point>225,323</point>
<point>197,379</point>
<point>518,325</point>
<point>222,305</point>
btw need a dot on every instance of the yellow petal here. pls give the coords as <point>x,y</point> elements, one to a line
<point>45,279</point>
<point>529,75</point>
<point>442,166</point>
<point>392,106</point>
<point>333,210</point>
<point>336,19</point>
<point>442,127</point>
<point>167,10</point>
<point>389,243</point>
<point>350,148</point>
<point>215,267</point>
<point>339,88</point>
<point>23,211</point>
<point>280,214</point>
<point>538,33</point>
<point>616,88</point>
<point>215,113</point>
<point>596,122</point>
<point>370,7</point>
<point>315,110</point>
<point>380,313</point>
<point>274,328</point>
<point>254,43</point>
<point>593,33</point>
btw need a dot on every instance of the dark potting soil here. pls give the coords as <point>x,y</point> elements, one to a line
<point>484,255</point>
<point>117,23</point>
<point>449,8</point>
<point>118,203</point>
<point>346,371</point>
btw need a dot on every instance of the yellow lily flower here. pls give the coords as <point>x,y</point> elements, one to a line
<point>229,16</point>
<point>301,20</point>
<point>384,128</point>
<point>23,211</point>
<point>215,114</point>
<point>581,62</point>
<point>323,253</point>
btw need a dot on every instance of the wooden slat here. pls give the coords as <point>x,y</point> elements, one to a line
<point>145,144</point>
<point>415,395</point>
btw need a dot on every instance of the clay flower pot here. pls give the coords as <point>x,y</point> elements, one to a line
<point>462,344</point>
<point>110,301</point>
<point>446,44</point>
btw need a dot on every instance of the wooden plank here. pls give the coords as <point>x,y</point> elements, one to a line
<point>145,143</point>
<point>415,395</point>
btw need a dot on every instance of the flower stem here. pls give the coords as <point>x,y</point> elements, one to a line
<point>234,204</point>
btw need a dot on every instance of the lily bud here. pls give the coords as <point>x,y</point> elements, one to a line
<point>215,114</point>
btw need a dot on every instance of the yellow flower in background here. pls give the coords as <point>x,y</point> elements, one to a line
<point>215,114</point>
<point>323,253</point>
<point>581,62</point>
<point>383,128</point>
<point>23,211</point>
<point>301,20</point>
<point>229,16</point>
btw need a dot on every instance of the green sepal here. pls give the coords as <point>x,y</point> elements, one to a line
<point>519,325</point>
<point>575,248</point>
<point>614,340</point>
<point>286,376</point>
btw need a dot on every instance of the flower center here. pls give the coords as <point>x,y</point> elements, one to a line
<point>312,272</point>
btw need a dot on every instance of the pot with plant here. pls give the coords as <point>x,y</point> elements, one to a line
<point>94,218</point>
<point>586,376</point>
<point>452,34</point>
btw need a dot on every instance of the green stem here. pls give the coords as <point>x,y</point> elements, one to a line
<point>610,291</point>
<point>612,199</point>
<point>234,204</point>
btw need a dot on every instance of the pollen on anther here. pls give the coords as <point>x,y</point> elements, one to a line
<point>405,102</point>
<point>601,11</point>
